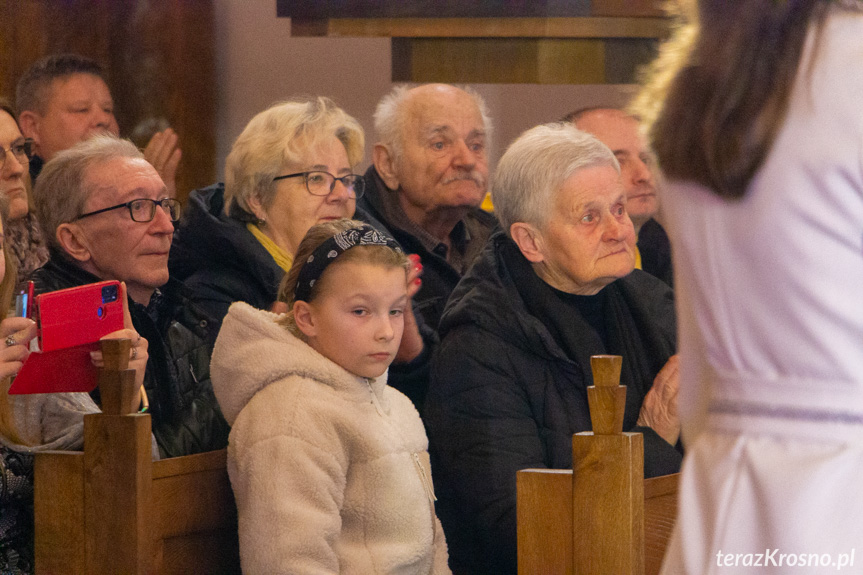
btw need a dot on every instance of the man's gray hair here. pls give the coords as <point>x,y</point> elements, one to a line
<point>534,168</point>
<point>62,188</point>
<point>389,117</point>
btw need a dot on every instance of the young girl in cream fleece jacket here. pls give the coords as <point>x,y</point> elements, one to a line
<point>329,465</point>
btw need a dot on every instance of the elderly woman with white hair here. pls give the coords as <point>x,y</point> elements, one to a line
<point>553,287</point>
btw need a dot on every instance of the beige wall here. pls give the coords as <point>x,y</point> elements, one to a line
<point>259,63</point>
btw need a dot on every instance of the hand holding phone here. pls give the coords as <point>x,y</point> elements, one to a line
<point>15,336</point>
<point>69,324</point>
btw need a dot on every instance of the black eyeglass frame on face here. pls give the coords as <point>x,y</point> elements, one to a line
<point>170,206</point>
<point>358,187</point>
<point>23,155</point>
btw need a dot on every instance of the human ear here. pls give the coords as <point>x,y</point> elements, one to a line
<point>304,318</point>
<point>29,124</point>
<point>257,207</point>
<point>529,241</point>
<point>384,162</point>
<point>74,242</point>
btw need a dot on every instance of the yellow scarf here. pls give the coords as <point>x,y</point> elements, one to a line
<point>637,258</point>
<point>283,259</point>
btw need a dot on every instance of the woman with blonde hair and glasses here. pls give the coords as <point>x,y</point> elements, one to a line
<point>292,167</point>
<point>755,116</point>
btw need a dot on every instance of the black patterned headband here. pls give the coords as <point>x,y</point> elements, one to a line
<point>329,250</point>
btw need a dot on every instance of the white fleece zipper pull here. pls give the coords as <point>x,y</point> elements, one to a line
<point>375,401</point>
<point>426,480</point>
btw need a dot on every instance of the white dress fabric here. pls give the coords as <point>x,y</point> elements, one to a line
<point>770,311</point>
<point>329,470</point>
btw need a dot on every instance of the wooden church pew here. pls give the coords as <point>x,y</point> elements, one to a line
<point>111,509</point>
<point>601,516</point>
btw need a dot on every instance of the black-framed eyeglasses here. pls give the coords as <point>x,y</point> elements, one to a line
<point>22,150</point>
<point>323,183</point>
<point>143,209</point>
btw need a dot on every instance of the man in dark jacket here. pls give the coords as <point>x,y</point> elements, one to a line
<point>429,176</point>
<point>509,380</point>
<point>107,215</point>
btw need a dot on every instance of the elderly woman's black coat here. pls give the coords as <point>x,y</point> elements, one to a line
<point>505,396</point>
<point>220,262</point>
<point>219,259</point>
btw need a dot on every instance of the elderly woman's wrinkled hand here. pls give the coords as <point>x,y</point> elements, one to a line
<point>16,333</point>
<point>659,410</point>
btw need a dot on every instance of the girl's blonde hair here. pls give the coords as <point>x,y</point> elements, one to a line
<point>384,256</point>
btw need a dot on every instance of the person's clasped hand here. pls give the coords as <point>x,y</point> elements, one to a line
<point>659,410</point>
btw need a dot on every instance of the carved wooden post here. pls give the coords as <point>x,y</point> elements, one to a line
<point>608,481</point>
<point>117,472</point>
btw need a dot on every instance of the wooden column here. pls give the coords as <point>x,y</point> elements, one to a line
<point>608,482</point>
<point>118,475</point>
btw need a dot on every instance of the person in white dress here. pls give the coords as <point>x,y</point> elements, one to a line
<point>756,119</point>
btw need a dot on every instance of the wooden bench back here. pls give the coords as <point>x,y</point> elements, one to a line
<point>111,509</point>
<point>545,522</point>
<point>602,516</point>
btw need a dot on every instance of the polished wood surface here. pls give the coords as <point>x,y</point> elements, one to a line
<point>660,512</point>
<point>544,519</point>
<point>602,516</point>
<point>606,397</point>
<point>58,494</point>
<point>111,509</point>
<point>597,42</point>
<point>158,57</point>
<point>588,27</point>
<point>117,492</point>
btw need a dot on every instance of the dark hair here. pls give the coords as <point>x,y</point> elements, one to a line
<point>318,234</point>
<point>718,93</point>
<point>33,86</point>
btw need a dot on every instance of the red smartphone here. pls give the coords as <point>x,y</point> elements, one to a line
<point>78,316</point>
<point>70,323</point>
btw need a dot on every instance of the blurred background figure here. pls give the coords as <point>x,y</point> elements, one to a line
<point>63,99</point>
<point>764,207</point>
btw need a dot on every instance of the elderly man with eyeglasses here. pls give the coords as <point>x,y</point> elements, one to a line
<point>108,216</point>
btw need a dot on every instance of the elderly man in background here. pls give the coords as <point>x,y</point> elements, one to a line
<point>509,382</point>
<point>63,99</point>
<point>108,216</point>
<point>621,132</point>
<point>429,176</point>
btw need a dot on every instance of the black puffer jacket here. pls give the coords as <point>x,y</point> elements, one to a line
<point>218,258</point>
<point>504,396</point>
<point>185,415</point>
<point>220,262</point>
